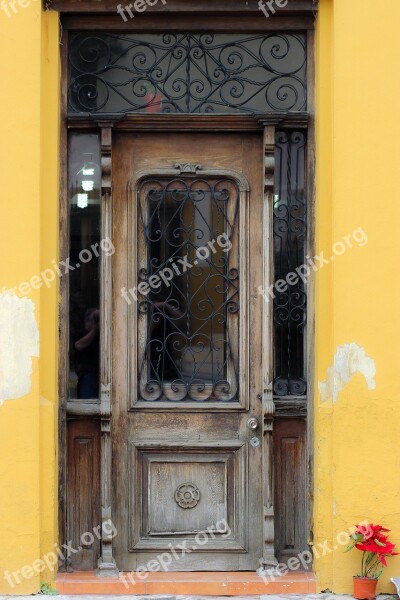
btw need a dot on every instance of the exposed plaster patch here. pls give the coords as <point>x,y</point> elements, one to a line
<point>19,341</point>
<point>349,359</point>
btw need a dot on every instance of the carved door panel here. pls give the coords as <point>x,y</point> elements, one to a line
<point>187,356</point>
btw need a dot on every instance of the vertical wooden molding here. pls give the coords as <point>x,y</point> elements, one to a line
<point>63,314</point>
<point>106,564</point>
<point>268,559</point>
<point>310,343</point>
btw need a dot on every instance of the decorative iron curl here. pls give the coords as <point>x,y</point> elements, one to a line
<point>290,235</point>
<point>187,355</point>
<point>187,73</point>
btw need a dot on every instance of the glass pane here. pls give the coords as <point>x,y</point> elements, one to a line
<point>190,352</point>
<point>187,73</point>
<point>290,239</point>
<point>84,317</point>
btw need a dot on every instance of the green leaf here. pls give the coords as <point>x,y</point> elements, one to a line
<point>378,543</point>
<point>357,536</point>
<point>350,547</point>
<point>370,557</point>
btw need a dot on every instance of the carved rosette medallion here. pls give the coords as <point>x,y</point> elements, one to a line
<point>187,495</point>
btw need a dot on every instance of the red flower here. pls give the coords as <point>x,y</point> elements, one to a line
<point>372,540</point>
<point>384,547</point>
<point>371,530</point>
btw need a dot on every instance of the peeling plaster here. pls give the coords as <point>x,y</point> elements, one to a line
<point>349,359</point>
<point>19,341</point>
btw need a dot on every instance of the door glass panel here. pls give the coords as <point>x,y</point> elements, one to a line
<point>290,242</point>
<point>187,72</point>
<point>83,265</point>
<point>188,292</point>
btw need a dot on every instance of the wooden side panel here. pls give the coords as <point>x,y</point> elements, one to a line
<point>83,492</point>
<point>290,487</point>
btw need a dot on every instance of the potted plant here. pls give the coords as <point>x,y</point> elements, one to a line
<point>373,542</point>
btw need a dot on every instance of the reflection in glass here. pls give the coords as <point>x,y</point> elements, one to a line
<point>84,316</point>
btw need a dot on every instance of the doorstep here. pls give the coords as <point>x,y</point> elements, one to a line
<point>241,583</point>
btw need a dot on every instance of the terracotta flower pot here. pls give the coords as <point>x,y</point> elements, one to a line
<point>364,588</point>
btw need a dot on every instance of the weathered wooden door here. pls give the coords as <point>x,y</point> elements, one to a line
<point>187,329</point>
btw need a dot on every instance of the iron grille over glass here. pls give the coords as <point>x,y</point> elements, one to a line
<point>187,73</point>
<point>290,238</point>
<point>188,313</point>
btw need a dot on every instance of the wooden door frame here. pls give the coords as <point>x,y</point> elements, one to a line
<point>132,322</point>
<point>221,16</point>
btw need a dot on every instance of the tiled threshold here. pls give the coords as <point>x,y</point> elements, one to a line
<point>241,583</point>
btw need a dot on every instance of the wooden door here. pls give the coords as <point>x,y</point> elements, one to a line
<point>187,356</point>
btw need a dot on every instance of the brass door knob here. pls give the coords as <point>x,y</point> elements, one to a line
<point>252,423</point>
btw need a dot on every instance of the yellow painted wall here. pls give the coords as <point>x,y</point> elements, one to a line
<point>357,451</point>
<point>29,128</point>
<point>357,454</point>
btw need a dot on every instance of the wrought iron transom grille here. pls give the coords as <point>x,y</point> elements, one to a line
<point>290,240</point>
<point>188,329</point>
<point>187,73</point>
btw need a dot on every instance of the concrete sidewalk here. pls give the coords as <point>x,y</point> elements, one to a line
<point>325,596</point>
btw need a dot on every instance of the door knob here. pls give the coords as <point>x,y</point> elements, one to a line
<point>252,423</point>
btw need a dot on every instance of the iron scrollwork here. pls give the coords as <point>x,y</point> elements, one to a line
<point>290,238</point>
<point>188,318</point>
<point>187,73</point>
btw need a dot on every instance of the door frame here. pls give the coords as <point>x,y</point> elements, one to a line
<point>132,324</point>
<point>298,15</point>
